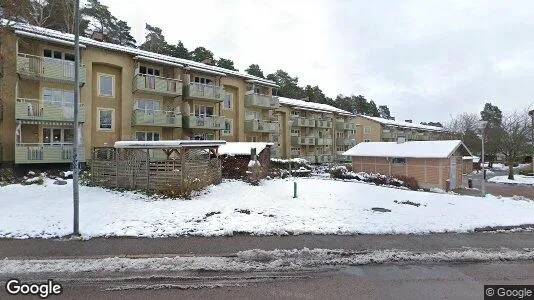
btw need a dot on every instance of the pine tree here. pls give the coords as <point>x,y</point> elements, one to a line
<point>98,17</point>
<point>288,85</point>
<point>200,54</point>
<point>255,70</point>
<point>372,110</point>
<point>384,112</point>
<point>493,131</point>
<point>226,63</point>
<point>154,40</point>
<point>120,34</point>
<point>179,51</point>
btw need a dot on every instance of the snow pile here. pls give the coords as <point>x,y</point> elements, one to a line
<point>416,149</point>
<point>518,179</point>
<point>242,148</point>
<point>296,160</point>
<point>254,260</point>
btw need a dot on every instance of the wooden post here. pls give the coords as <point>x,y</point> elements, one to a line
<point>147,169</point>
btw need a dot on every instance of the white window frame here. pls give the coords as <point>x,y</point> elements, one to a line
<point>366,130</point>
<point>231,132</point>
<point>205,109</point>
<point>146,133</point>
<point>98,112</point>
<point>62,136</point>
<point>62,102</point>
<point>231,97</point>
<point>100,75</point>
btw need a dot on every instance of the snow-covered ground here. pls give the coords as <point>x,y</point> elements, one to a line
<point>502,167</point>
<point>518,179</point>
<point>323,206</point>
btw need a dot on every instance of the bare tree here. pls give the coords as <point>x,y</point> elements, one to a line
<point>465,127</point>
<point>516,130</point>
<point>37,12</point>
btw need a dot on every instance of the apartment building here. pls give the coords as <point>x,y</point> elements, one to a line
<point>126,94</point>
<point>374,129</point>
<point>317,132</point>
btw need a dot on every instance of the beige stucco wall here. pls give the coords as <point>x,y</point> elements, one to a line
<point>373,136</point>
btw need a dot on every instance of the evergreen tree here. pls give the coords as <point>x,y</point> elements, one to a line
<point>200,54</point>
<point>372,110</point>
<point>120,34</point>
<point>314,94</point>
<point>288,85</point>
<point>255,70</point>
<point>98,18</point>
<point>154,40</point>
<point>179,51</point>
<point>226,63</point>
<point>493,133</point>
<point>384,112</point>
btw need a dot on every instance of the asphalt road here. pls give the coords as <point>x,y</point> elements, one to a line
<point>97,247</point>
<point>393,281</point>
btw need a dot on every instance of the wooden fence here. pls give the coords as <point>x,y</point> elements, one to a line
<point>136,169</point>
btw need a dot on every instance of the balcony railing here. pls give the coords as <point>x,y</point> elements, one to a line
<point>261,126</point>
<point>204,122</point>
<point>346,141</point>
<point>303,122</point>
<point>261,101</point>
<point>46,68</point>
<point>301,140</point>
<point>324,158</point>
<point>201,91</point>
<point>157,85</point>
<point>323,123</point>
<point>324,141</point>
<point>157,118</point>
<point>46,153</point>
<point>35,109</point>
<point>342,158</point>
<point>342,125</point>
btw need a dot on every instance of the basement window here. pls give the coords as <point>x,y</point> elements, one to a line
<point>399,160</point>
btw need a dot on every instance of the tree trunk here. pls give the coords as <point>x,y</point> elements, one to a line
<point>510,170</point>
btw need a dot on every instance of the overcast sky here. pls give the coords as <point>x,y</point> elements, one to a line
<point>426,60</point>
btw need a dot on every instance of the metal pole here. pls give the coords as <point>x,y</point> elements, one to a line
<point>75,166</point>
<point>295,189</point>
<point>483,166</point>
<point>531,113</point>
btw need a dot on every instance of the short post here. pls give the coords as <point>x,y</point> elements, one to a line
<point>295,189</point>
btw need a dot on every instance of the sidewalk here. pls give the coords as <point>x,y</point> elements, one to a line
<point>220,246</point>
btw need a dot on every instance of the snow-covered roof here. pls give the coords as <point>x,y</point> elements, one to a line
<point>55,36</point>
<point>242,148</point>
<point>169,144</point>
<point>417,149</point>
<point>306,105</point>
<point>475,159</point>
<point>402,124</point>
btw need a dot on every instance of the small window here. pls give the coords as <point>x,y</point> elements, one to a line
<point>228,99</point>
<point>367,141</point>
<point>105,119</point>
<point>47,53</point>
<point>58,55</point>
<point>367,130</point>
<point>147,136</point>
<point>69,56</point>
<point>227,127</point>
<point>399,160</point>
<point>106,85</point>
<point>142,69</point>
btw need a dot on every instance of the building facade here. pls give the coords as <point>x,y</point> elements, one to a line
<point>374,129</point>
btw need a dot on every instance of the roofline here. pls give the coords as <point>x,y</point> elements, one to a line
<point>342,112</point>
<point>67,38</point>
<point>403,126</point>
<point>177,144</point>
<point>458,146</point>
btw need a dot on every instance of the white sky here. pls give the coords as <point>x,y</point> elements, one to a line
<point>426,60</point>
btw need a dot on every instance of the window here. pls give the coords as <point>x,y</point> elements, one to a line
<point>339,135</point>
<point>105,118</point>
<point>147,136</point>
<point>295,132</point>
<point>58,97</point>
<point>58,55</point>
<point>367,130</point>
<point>57,136</point>
<point>228,124</point>
<point>106,85</point>
<point>69,56</point>
<point>399,160</point>
<point>252,115</point>
<point>148,105</point>
<point>295,113</point>
<point>149,70</point>
<point>203,80</point>
<point>203,111</point>
<point>204,136</point>
<point>228,101</point>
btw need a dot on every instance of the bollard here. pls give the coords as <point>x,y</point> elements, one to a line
<point>295,189</point>
<point>470,183</point>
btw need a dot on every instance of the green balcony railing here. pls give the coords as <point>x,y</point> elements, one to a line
<point>324,158</point>
<point>46,68</point>
<point>302,140</point>
<point>201,91</point>
<point>323,123</point>
<point>35,109</point>
<point>203,122</point>
<point>303,122</point>
<point>157,118</point>
<point>324,141</point>
<point>342,125</point>
<point>46,153</point>
<point>261,101</point>
<point>261,126</point>
<point>157,85</point>
<point>351,141</point>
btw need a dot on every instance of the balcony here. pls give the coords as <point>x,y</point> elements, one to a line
<point>261,126</point>
<point>324,141</point>
<point>47,69</point>
<point>46,153</point>
<point>157,118</point>
<point>388,135</point>
<point>303,122</point>
<point>157,85</point>
<point>342,125</point>
<point>298,140</point>
<point>204,122</point>
<point>204,92</point>
<point>324,158</point>
<point>323,123</point>
<point>342,158</point>
<point>261,101</point>
<point>38,110</point>
<point>346,142</point>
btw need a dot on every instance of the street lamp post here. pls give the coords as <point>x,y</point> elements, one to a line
<point>75,161</point>
<point>531,113</point>
<point>482,133</point>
